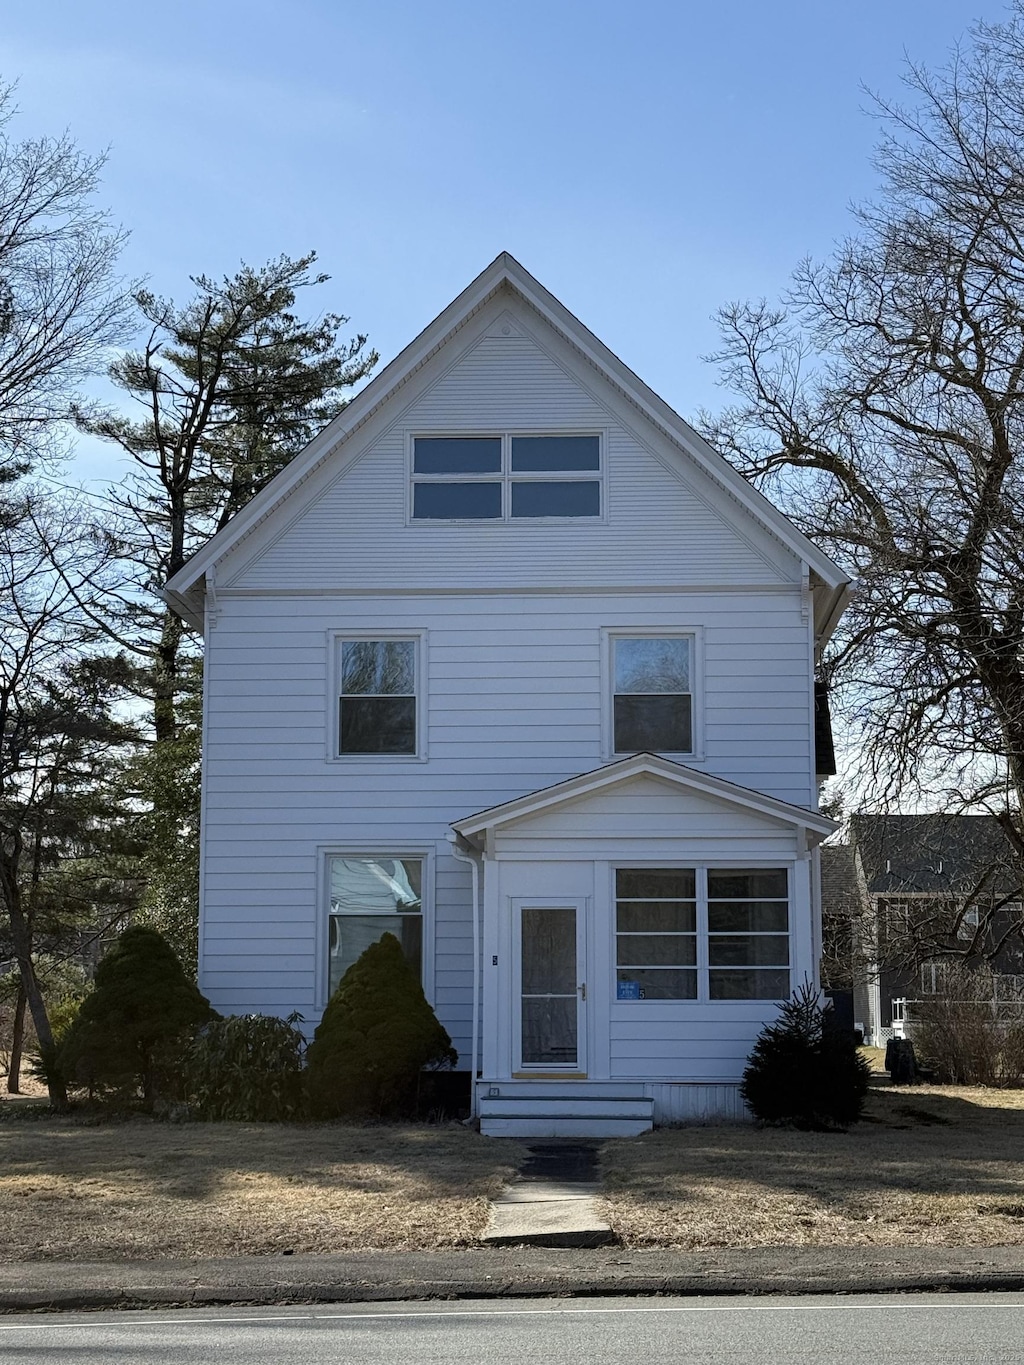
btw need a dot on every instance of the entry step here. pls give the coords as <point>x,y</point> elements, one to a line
<point>513,1113</point>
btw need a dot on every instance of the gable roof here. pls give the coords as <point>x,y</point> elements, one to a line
<point>935,854</point>
<point>184,591</point>
<point>624,770</point>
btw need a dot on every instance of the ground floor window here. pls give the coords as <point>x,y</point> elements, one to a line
<point>369,897</point>
<point>702,933</point>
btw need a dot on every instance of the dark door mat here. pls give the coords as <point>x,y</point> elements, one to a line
<point>562,1160</point>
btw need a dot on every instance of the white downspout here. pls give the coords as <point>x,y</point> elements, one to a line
<point>474,1050</point>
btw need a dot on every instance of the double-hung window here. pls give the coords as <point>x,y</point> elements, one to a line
<point>652,696</point>
<point>696,933</point>
<point>377,695</point>
<point>505,477</point>
<point>371,896</point>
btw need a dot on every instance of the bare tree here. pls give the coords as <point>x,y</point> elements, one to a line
<point>882,403</point>
<point>60,304</point>
<point>57,728</point>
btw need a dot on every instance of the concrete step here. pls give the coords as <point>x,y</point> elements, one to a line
<point>611,1090</point>
<point>526,1106</point>
<point>553,1125</point>
<point>516,1114</point>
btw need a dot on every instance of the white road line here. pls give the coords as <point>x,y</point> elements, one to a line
<point>555,1311</point>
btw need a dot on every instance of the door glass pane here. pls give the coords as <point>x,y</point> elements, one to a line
<point>549,952</point>
<point>549,1030</point>
<point>549,1001</point>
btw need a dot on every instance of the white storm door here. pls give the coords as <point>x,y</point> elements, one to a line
<point>552,992</point>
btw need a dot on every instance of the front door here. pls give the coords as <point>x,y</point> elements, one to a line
<point>552,991</point>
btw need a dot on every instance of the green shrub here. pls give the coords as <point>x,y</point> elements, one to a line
<point>804,1073</point>
<point>247,1067</point>
<point>131,1030</point>
<point>47,1064</point>
<point>376,1036</point>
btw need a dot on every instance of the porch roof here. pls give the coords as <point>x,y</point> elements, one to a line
<point>475,829</point>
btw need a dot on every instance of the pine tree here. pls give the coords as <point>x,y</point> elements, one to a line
<point>804,1073</point>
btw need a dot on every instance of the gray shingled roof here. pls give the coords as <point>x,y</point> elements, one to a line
<point>932,853</point>
<point>840,894</point>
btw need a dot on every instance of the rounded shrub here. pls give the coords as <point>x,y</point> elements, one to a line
<point>377,1034</point>
<point>804,1073</point>
<point>131,1030</point>
<point>247,1067</point>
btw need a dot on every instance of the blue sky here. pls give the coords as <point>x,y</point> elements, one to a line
<point>646,162</point>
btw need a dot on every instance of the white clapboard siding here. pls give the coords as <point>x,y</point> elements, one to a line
<point>663,521</point>
<point>514,701</point>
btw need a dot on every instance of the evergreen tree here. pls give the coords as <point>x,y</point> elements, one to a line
<point>230,386</point>
<point>804,1073</point>
<point>377,1034</point>
<point>132,1028</point>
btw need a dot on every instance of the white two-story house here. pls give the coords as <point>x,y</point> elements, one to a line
<point>511,663</point>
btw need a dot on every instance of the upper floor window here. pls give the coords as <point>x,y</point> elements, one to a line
<point>377,696</point>
<point>504,478</point>
<point>652,701</point>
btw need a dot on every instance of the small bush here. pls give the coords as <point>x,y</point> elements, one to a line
<point>375,1037</point>
<point>47,1064</point>
<point>971,1033</point>
<point>802,1072</point>
<point>246,1067</point>
<point>131,1030</point>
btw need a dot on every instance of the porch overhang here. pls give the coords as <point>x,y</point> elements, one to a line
<point>477,832</point>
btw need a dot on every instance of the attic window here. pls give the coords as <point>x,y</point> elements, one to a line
<point>506,477</point>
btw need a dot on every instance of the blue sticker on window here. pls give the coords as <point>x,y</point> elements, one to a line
<point>628,990</point>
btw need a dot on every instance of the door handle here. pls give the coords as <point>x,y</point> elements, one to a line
<point>582,988</point>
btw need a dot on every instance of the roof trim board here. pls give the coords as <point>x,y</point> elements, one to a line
<point>483,823</point>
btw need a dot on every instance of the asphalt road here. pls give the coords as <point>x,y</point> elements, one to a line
<point>756,1331</point>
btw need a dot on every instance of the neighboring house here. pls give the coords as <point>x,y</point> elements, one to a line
<point>511,663</point>
<point>905,886</point>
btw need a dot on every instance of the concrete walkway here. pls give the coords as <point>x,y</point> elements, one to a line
<point>553,1203</point>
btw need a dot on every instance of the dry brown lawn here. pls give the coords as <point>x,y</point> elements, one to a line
<point>140,1189</point>
<point>931,1166</point>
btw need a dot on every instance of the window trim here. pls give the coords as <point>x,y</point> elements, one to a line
<point>335,638</point>
<point>695,634</point>
<point>700,867</point>
<point>505,477</point>
<point>426,853</point>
